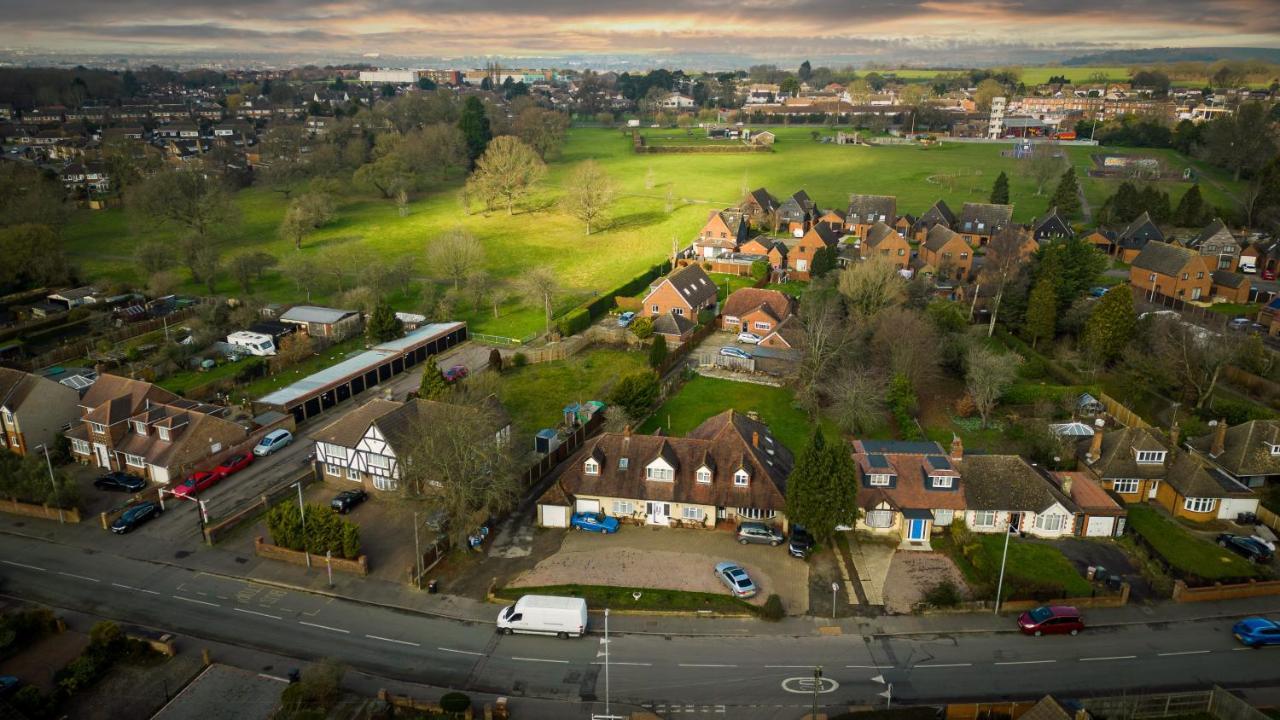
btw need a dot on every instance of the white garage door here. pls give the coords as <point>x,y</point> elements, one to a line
<point>555,516</point>
<point>1100,526</point>
<point>587,506</point>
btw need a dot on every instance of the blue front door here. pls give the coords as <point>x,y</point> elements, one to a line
<point>915,530</point>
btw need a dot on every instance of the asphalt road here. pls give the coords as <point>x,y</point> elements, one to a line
<point>738,676</point>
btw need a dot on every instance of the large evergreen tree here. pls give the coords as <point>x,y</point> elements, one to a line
<point>474,124</point>
<point>1042,311</point>
<point>383,324</point>
<point>1110,325</point>
<point>822,488</point>
<point>658,351</point>
<point>1067,197</point>
<point>1191,210</point>
<point>434,386</point>
<point>1000,190</point>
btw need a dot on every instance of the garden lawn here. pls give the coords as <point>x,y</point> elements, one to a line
<point>535,395</point>
<point>624,598</point>
<point>182,382</point>
<point>1249,310</point>
<point>1031,567</point>
<point>702,397</point>
<point>1186,553</point>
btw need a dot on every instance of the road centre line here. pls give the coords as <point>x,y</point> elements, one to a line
<point>789,666</point>
<point>324,627</point>
<point>1110,657</point>
<point>943,665</point>
<point>618,662</point>
<point>392,640</point>
<point>866,667</point>
<point>136,589</point>
<point>544,660</point>
<point>706,665</point>
<point>1026,662</point>
<point>259,614</point>
<point>461,652</point>
<point>24,565</point>
<point>198,602</point>
<point>1183,652</point>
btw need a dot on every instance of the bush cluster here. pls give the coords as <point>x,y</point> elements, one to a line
<point>326,531</point>
<point>107,646</point>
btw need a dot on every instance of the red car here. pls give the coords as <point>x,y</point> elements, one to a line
<point>455,373</point>
<point>1047,620</point>
<point>1268,274</point>
<point>197,483</point>
<point>234,465</point>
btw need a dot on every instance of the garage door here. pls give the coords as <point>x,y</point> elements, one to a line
<point>555,516</point>
<point>1099,527</point>
<point>587,506</point>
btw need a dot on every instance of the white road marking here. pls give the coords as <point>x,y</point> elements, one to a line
<point>789,666</point>
<point>324,627</point>
<point>259,614</point>
<point>461,652</point>
<point>1184,652</point>
<point>706,665</point>
<point>617,662</point>
<point>1109,657</point>
<point>1026,662</point>
<point>546,660</point>
<point>866,667</point>
<point>198,602</point>
<point>136,589</point>
<point>277,678</point>
<point>24,565</point>
<point>942,665</point>
<point>392,640</point>
<point>1243,649</point>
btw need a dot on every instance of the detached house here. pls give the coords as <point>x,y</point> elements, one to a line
<point>1172,271</point>
<point>937,214</point>
<point>1136,236</point>
<point>759,206</point>
<point>1217,243</point>
<point>1051,226</point>
<point>800,256</point>
<point>867,210</point>
<point>774,251</point>
<point>724,232</point>
<point>796,215</point>
<point>979,221</point>
<point>33,410</point>
<point>947,253</point>
<point>755,310</point>
<point>729,468</point>
<point>683,292</point>
<point>884,242</point>
<point>1248,452</point>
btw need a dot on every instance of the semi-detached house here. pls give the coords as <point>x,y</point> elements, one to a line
<point>1172,271</point>
<point>33,410</point>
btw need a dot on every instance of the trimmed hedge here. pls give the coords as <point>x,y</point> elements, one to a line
<point>579,318</point>
<point>574,322</point>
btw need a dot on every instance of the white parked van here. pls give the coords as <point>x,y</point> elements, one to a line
<point>545,615</point>
<point>259,344</point>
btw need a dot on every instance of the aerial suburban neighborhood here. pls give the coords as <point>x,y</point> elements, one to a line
<point>355,368</point>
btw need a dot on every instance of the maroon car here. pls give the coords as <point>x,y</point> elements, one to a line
<point>1051,620</point>
<point>235,464</point>
<point>455,373</point>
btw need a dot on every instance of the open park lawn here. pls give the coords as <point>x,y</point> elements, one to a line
<point>1033,570</point>
<point>1187,554</point>
<point>702,397</point>
<point>637,233</point>
<point>535,395</point>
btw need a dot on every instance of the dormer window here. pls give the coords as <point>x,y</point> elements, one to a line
<point>1275,449</point>
<point>878,480</point>
<point>741,478</point>
<point>943,481</point>
<point>659,470</point>
<point>163,432</point>
<point>98,428</point>
<point>704,475</point>
<point>591,467</point>
<point>623,463</point>
<point>140,428</point>
<point>1151,456</point>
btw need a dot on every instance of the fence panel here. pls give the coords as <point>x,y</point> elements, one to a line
<point>1122,414</point>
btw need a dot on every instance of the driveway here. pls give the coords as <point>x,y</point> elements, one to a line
<point>673,559</point>
<point>912,574</point>
<point>1103,553</point>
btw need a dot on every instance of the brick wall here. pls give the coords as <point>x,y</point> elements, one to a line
<point>261,548</point>
<point>45,512</point>
<point>1218,591</point>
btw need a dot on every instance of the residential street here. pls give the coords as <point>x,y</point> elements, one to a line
<point>739,675</point>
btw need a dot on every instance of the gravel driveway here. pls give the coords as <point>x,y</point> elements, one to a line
<point>912,574</point>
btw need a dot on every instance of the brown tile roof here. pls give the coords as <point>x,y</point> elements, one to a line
<point>1119,459</point>
<point>692,283</point>
<point>865,208</point>
<point>1246,449</point>
<point>789,331</point>
<point>1164,258</point>
<point>15,386</point>
<point>191,444</point>
<point>745,300</point>
<point>399,422</point>
<point>1089,495</point>
<point>673,325</point>
<point>1007,482</point>
<point>1192,478</point>
<point>939,236</point>
<point>910,489</point>
<point>1047,709</point>
<point>135,393</point>
<point>878,233</point>
<point>347,430</point>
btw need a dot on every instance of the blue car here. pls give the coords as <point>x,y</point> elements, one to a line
<point>594,522</point>
<point>625,318</point>
<point>1098,291</point>
<point>1255,632</point>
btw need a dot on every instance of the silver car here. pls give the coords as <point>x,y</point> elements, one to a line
<point>736,579</point>
<point>758,532</point>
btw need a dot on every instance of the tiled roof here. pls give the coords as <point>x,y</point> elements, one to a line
<point>672,324</point>
<point>1226,278</point>
<point>910,490</point>
<point>1007,482</point>
<point>693,284</point>
<point>1210,231</point>
<point>347,430</point>
<point>990,217</point>
<point>1088,495</point>
<point>790,331</point>
<point>745,300</point>
<point>1163,258</point>
<point>863,208</point>
<point>1139,232</point>
<point>1246,448</point>
<point>938,213</point>
<point>1118,458</point>
<point>1192,478</point>
<point>939,236</point>
<point>878,233</point>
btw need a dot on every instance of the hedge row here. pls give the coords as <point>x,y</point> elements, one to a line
<point>580,318</point>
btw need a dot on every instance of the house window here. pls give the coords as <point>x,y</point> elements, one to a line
<point>353,474</point>
<point>1200,505</point>
<point>98,428</point>
<point>623,507</point>
<point>1200,275</point>
<point>384,483</point>
<point>163,432</point>
<point>740,478</point>
<point>140,428</point>
<point>623,463</point>
<point>655,309</point>
<point>1125,487</point>
<point>80,446</point>
<point>677,311</point>
<point>1275,449</point>
<point>984,518</point>
<point>692,513</point>
<point>1051,522</point>
<point>942,481</point>
<point>762,326</point>
<point>380,462</point>
<point>659,473</point>
<point>591,467</point>
<point>1186,276</point>
<point>1150,456</point>
<point>1195,293</point>
<point>135,460</point>
<point>880,518</point>
<point>942,518</point>
<point>704,475</point>
<point>333,469</point>
<point>730,320</point>
<point>756,513</point>
<point>879,481</point>
<point>802,265</point>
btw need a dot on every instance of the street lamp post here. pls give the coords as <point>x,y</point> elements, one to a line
<point>53,482</point>
<point>1008,530</point>
<point>303,514</point>
<point>834,587</point>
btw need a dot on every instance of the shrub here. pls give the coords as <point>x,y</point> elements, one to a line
<point>944,594</point>
<point>642,327</point>
<point>636,393</point>
<point>965,407</point>
<point>772,609</point>
<point>574,322</point>
<point>759,270</point>
<point>34,704</point>
<point>1234,411</point>
<point>495,360</point>
<point>520,359</point>
<point>455,702</point>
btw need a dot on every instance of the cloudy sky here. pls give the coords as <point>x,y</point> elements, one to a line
<point>760,28</point>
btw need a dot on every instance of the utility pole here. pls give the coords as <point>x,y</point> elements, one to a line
<point>417,552</point>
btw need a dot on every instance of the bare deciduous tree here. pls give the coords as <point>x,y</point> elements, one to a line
<point>907,342</point>
<point>871,286</point>
<point>1044,164</point>
<point>1004,260</point>
<point>858,400</point>
<point>1195,357</point>
<point>588,193</point>
<point>987,375</point>
<point>456,253</point>
<point>540,286</point>
<point>825,336</point>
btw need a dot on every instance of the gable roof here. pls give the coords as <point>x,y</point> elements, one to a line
<point>347,430</point>
<point>1138,232</point>
<point>1118,458</point>
<point>1007,482</point>
<point>400,423</point>
<point>762,198</point>
<point>990,217</point>
<point>824,233</point>
<point>672,324</point>
<point>1229,279</point>
<point>1192,478</point>
<point>938,212</point>
<point>1051,216</point>
<point>866,207</point>
<point>692,283</point>
<point>939,236</point>
<point>801,199</point>
<point>113,398</point>
<point>1214,230</point>
<point>788,331</point>
<point>1164,258</point>
<point>745,300</point>
<point>314,314</point>
<point>910,488</point>
<point>878,233</point>
<point>15,386</point>
<point>1246,450</point>
<point>1088,495</point>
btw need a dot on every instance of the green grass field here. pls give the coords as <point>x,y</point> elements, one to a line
<point>1030,570</point>
<point>1030,75</point>
<point>535,395</point>
<point>1187,553</point>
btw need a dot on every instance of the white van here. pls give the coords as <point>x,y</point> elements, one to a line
<point>545,615</point>
<point>260,344</point>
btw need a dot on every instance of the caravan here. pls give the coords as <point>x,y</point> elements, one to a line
<point>259,344</point>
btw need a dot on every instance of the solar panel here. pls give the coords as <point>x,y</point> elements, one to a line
<point>938,462</point>
<point>877,461</point>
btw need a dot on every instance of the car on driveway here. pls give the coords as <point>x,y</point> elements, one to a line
<point>758,532</point>
<point>9,684</point>
<point>272,441</point>
<point>749,338</point>
<point>734,352</point>
<point>624,320</point>
<point>120,482</point>
<point>1098,291</point>
<point>594,522</point>
<point>134,516</point>
<point>1255,632</point>
<point>1239,323</point>
<point>197,483</point>
<point>345,501</point>
<point>455,373</point>
<point>736,579</point>
<point>1051,620</point>
<point>801,542</point>
<point>1246,547</point>
<point>233,465</point>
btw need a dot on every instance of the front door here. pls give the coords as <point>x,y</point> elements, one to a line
<point>100,453</point>
<point>658,512</point>
<point>916,529</point>
<point>1152,489</point>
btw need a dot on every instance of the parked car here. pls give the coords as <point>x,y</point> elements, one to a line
<point>594,522</point>
<point>272,441</point>
<point>9,684</point>
<point>134,516</point>
<point>1051,620</point>
<point>455,373</point>
<point>120,482</point>
<point>1098,291</point>
<point>801,542</point>
<point>735,353</point>
<point>758,532</point>
<point>231,466</point>
<point>1255,632</point>
<point>1268,274</point>
<point>345,501</point>
<point>1246,547</point>
<point>1239,323</point>
<point>197,483</point>
<point>1257,328</point>
<point>749,338</point>
<point>736,579</point>
<point>625,319</point>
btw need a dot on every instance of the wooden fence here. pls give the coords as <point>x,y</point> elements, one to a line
<point>132,330</point>
<point>1122,414</point>
<point>1269,518</point>
<point>539,470</point>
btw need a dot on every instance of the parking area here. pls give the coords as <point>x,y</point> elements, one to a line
<point>673,559</point>
<point>771,361</point>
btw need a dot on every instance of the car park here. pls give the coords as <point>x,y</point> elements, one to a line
<point>594,522</point>
<point>734,352</point>
<point>1246,547</point>
<point>272,441</point>
<point>135,515</point>
<point>455,373</point>
<point>1255,632</point>
<point>197,483</point>
<point>758,532</point>
<point>345,501</point>
<point>626,318</point>
<point>736,579</point>
<point>120,482</point>
<point>1051,620</point>
<point>801,542</point>
<point>749,338</point>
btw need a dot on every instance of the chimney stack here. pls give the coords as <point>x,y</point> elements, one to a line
<point>1066,485</point>
<point>957,448</point>
<point>755,439</point>
<point>1095,446</point>
<point>1219,438</point>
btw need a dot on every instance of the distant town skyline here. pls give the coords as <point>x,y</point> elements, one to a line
<point>937,31</point>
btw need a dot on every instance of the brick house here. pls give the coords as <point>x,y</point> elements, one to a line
<point>937,214</point>
<point>788,335</point>
<point>1231,286</point>
<point>724,231</point>
<point>1100,515</point>
<point>1217,243</point>
<point>759,207</point>
<point>1248,452</point>
<point>948,253</point>
<point>1172,271</point>
<point>834,219</point>
<point>34,410</point>
<point>1135,236</point>
<point>685,291</point>
<point>796,214</point>
<point>773,251</point>
<point>1261,256</point>
<point>1051,226</point>
<point>1130,462</point>
<point>884,242</point>
<point>755,310</point>
<point>904,223</point>
<point>867,210</point>
<point>1103,240</point>
<point>1194,490</point>
<point>800,255</point>
<point>979,221</point>
<point>729,468</point>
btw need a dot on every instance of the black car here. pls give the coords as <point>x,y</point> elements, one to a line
<point>120,482</point>
<point>801,542</point>
<point>346,500</point>
<point>134,516</point>
<point>1246,547</point>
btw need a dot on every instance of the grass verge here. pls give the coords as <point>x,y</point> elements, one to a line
<point>1188,556</point>
<point>1034,571</point>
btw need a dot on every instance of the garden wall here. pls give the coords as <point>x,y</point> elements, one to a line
<point>262,548</point>
<point>45,512</point>
<point>1218,591</point>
